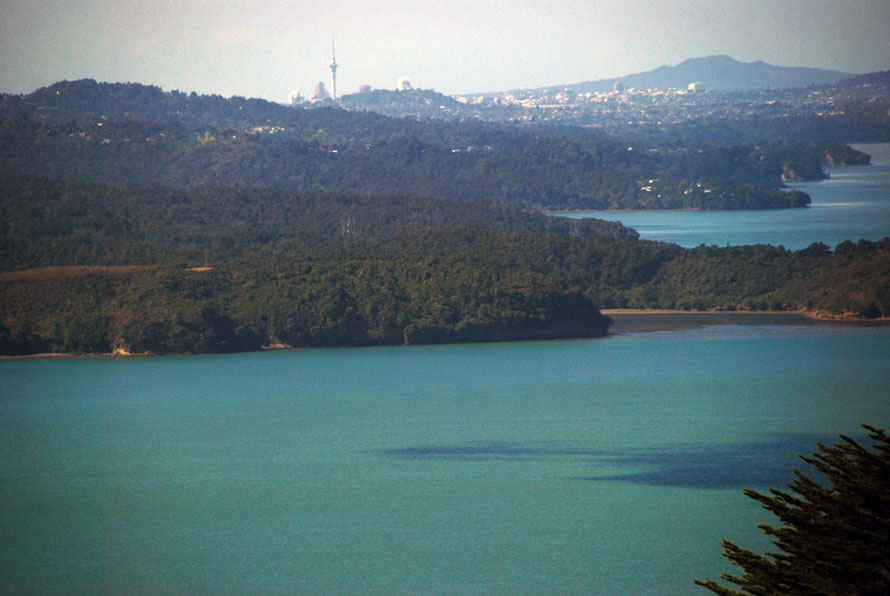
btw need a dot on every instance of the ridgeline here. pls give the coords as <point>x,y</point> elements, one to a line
<point>142,221</point>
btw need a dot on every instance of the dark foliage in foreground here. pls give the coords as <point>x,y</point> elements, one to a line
<point>834,537</point>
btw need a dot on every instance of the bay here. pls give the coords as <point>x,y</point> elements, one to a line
<point>585,466</point>
<point>853,204</point>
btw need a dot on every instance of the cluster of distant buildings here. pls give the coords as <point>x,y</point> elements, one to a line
<point>528,99</point>
<point>320,93</point>
<point>543,98</point>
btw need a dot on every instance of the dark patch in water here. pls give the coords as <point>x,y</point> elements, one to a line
<point>755,464</point>
<point>476,451</point>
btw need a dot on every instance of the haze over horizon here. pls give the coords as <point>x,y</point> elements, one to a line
<point>268,49</point>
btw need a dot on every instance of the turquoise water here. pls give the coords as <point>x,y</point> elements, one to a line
<point>586,466</point>
<point>854,203</point>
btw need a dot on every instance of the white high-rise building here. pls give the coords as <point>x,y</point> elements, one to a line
<point>333,69</point>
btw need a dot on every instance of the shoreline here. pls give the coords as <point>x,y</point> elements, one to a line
<point>663,210</point>
<point>577,211</point>
<point>624,320</point>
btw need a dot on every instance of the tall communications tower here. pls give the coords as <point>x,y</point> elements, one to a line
<point>334,69</point>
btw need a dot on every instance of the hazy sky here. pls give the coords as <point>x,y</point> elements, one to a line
<point>268,49</point>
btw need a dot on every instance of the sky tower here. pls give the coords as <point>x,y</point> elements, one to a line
<point>333,69</point>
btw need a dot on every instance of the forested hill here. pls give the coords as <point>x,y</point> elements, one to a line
<point>140,220</point>
<point>129,134</point>
<point>49,223</point>
<point>89,268</point>
<point>720,72</point>
<point>86,103</point>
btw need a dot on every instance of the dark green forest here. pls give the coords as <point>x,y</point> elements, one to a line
<point>549,173</point>
<point>129,134</point>
<point>91,268</point>
<point>166,223</point>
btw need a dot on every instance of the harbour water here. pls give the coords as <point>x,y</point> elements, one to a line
<point>853,204</point>
<point>600,466</point>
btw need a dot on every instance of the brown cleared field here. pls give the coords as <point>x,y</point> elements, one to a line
<point>70,271</point>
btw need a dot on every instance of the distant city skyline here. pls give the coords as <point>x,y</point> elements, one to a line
<point>270,49</point>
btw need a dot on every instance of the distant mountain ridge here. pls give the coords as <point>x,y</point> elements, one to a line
<point>721,73</point>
